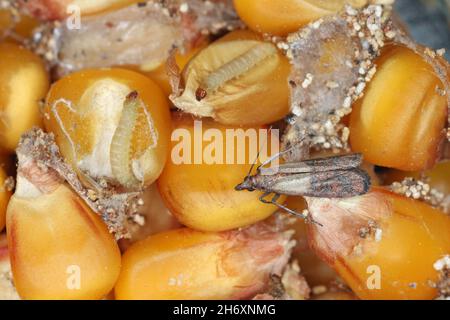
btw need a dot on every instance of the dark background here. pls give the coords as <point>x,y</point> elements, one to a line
<point>428,21</point>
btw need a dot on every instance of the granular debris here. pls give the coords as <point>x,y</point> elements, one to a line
<point>113,206</point>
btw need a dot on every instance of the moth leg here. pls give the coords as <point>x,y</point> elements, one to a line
<point>273,201</point>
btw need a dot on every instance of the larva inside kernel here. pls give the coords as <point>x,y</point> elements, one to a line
<point>235,68</point>
<point>121,147</point>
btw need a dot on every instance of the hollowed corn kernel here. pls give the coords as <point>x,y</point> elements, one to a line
<point>59,248</point>
<point>23,84</point>
<point>400,121</point>
<point>7,290</point>
<point>110,124</point>
<point>23,27</point>
<point>5,194</point>
<point>203,196</point>
<point>383,245</point>
<point>283,17</point>
<point>60,9</point>
<point>187,264</point>
<point>237,80</point>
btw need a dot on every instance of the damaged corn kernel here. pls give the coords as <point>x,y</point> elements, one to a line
<point>283,17</point>
<point>111,125</point>
<point>60,249</point>
<point>24,83</point>
<point>238,80</point>
<point>202,195</point>
<point>383,245</point>
<point>400,121</point>
<point>187,264</point>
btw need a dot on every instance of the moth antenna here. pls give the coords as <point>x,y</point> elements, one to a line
<point>279,154</point>
<point>253,164</point>
<point>256,159</point>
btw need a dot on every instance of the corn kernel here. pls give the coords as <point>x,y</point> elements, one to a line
<point>283,17</point>
<point>401,119</point>
<point>5,194</point>
<point>383,245</point>
<point>59,248</point>
<point>23,83</point>
<point>237,80</point>
<point>110,124</point>
<point>202,196</point>
<point>188,264</point>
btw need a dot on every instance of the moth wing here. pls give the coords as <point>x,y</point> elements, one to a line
<point>325,184</point>
<point>340,183</point>
<point>343,162</point>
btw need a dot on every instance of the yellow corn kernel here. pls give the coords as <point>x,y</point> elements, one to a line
<point>188,264</point>
<point>383,245</point>
<point>5,194</point>
<point>59,248</point>
<point>7,290</point>
<point>24,83</point>
<point>283,17</point>
<point>110,124</point>
<point>202,196</point>
<point>239,79</point>
<point>400,121</point>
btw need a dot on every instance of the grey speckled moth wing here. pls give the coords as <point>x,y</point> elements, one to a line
<point>324,184</point>
<point>343,162</point>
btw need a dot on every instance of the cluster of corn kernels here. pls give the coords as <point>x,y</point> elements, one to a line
<point>92,205</point>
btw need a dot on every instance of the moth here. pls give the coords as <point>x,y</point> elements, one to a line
<point>331,177</point>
